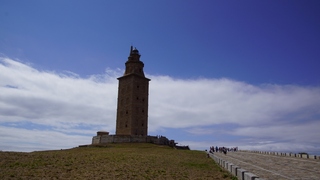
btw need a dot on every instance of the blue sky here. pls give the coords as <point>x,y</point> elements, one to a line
<point>226,73</point>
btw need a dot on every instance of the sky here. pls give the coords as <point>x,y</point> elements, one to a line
<point>223,73</point>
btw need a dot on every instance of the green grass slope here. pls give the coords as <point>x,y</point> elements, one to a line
<point>116,161</point>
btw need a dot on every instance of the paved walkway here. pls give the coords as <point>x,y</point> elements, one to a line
<point>274,167</point>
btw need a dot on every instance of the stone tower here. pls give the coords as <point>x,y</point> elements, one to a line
<point>133,91</point>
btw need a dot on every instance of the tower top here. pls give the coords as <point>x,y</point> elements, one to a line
<point>133,51</point>
<point>134,54</point>
<point>133,64</point>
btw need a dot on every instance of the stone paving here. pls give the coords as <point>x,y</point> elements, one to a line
<point>274,167</point>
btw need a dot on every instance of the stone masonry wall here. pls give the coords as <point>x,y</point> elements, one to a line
<point>307,156</point>
<point>105,139</point>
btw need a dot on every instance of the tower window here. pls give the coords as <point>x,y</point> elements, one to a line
<point>142,124</point>
<point>138,86</point>
<point>126,112</point>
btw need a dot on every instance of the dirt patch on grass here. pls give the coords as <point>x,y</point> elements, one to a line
<point>117,161</point>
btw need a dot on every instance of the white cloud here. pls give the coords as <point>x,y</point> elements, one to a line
<point>71,107</point>
<point>299,133</point>
<point>186,103</point>
<point>31,140</point>
<point>55,99</point>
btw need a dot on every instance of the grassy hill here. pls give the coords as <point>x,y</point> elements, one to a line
<point>116,161</point>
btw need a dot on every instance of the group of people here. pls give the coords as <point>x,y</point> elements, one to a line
<point>222,149</point>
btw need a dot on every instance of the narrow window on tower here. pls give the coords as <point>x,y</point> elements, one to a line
<point>126,112</point>
<point>142,124</point>
<point>138,86</point>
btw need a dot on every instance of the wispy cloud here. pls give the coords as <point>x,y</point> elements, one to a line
<point>58,110</point>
